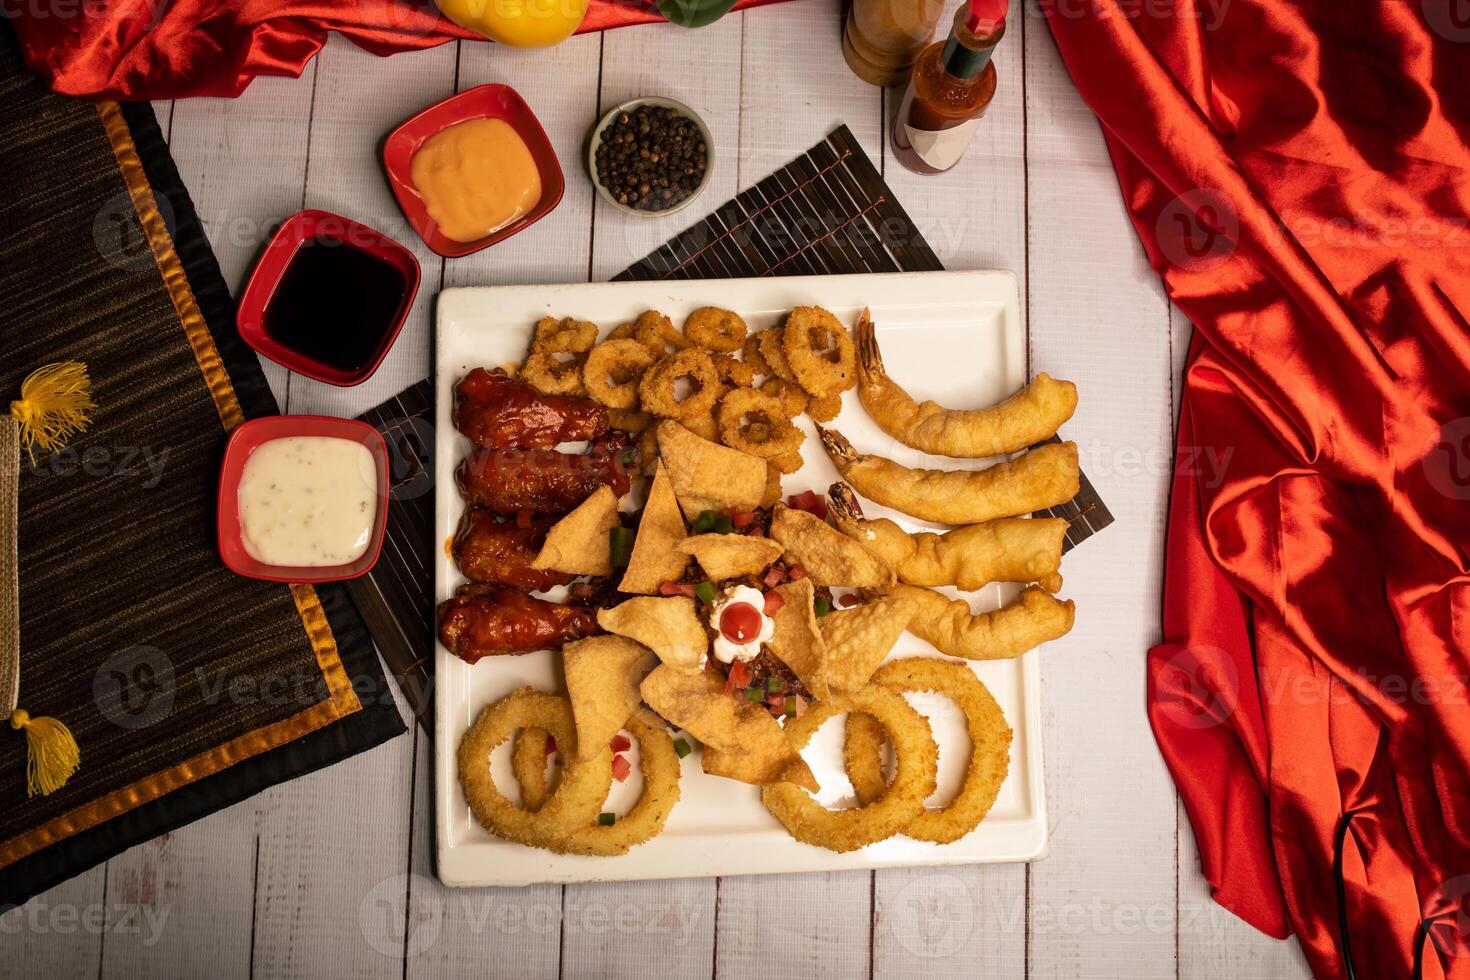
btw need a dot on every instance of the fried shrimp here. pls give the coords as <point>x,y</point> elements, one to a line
<point>613,370</point>
<point>819,351</point>
<point>1027,417</point>
<point>1044,477</point>
<point>1034,618</point>
<point>715,329</point>
<point>1003,550</point>
<point>659,393</point>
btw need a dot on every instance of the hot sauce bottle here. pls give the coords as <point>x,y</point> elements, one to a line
<point>951,87</point>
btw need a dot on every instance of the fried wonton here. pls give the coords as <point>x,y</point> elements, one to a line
<point>697,703</point>
<point>668,626</point>
<point>603,674</point>
<point>656,559</point>
<point>829,556</point>
<point>706,475</point>
<point>578,543</point>
<point>727,556</point>
<point>797,641</point>
<point>858,639</point>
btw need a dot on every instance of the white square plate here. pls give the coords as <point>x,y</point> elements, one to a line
<point>952,336</point>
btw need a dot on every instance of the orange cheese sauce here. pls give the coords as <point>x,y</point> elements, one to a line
<point>475,178</point>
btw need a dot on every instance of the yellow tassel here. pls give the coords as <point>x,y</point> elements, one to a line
<point>55,402</point>
<point>52,754</point>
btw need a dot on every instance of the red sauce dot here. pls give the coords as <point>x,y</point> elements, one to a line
<point>740,622</point>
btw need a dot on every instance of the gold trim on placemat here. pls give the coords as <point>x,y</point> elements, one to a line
<point>342,700</point>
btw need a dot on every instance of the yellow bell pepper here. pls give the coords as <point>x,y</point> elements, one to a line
<point>519,23</point>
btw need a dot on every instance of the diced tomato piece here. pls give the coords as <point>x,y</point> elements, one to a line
<point>620,743</point>
<point>777,701</point>
<point>738,677</point>
<point>676,588</point>
<point>740,518</point>
<point>550,744</point>
<point>851,599</point>
<point>621,767</point>
<point>757,532</point>
<point>775,575</point>
<point>773,603</point>
<point>797,573</point>
<point>524,518</point>
<point>809,501</point>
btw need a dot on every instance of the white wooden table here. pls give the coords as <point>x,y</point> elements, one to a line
<point>332,875</point>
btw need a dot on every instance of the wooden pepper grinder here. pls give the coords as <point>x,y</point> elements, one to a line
<point>882,38</point>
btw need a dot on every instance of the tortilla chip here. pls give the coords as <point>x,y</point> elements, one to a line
<point>603,674</point>
<point>858,639</point>
<point>656,559</point>
<point>727,556</point>
<point>797,641</point>
<point>829,556</point>
<point>578,543</point>
<point>697,703</point>
<point>708,476</point>
<point>668,626</point>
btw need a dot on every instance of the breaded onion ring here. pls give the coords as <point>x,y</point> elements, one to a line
<point>990,746</point>
<point>793,396</point>
<point>567,335</point>
<point>772,494</point>
<point>578,797</point>
<point>715,329</point>
<point>734,373</point>
<point>658,333</point>
<point>657,389</point>
<point>808,333</point>
<point>1032,619</point>
<point>550,376</point>
<point>753,422</point>
<point>824,409</point>
<point>750,353</point>
<point>629,420</point>
<point>773,352</point>
<point>1044,477</point>
<point>847,830</point>
<point>613,370</point>
<point>1027,417</point>
<point>787,462</point>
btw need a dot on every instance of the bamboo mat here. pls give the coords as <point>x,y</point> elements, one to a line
<point>827,212</point>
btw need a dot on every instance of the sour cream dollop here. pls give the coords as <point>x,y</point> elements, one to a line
<point>728,645</point>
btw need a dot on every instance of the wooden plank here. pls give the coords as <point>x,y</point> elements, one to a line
<point>60,932</point>
<point>334,849</point>
<point>794,925</point>
<point>1105,902</point>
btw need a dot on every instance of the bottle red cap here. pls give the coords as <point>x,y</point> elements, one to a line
<point>986,16</point>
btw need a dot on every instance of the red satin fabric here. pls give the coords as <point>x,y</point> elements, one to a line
<point>1299,175</point>
<point>167,49</point>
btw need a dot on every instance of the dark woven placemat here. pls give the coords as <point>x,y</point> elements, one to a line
<point>826,212</point>
<point>187,687</point>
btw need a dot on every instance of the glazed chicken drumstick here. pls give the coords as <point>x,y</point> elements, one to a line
<point>496,411</point>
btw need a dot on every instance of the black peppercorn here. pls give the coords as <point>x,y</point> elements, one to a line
<point>651,159</point>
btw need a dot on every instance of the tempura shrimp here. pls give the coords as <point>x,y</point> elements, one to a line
<point>1044,477</point>
<point>1034,618</point>
<point>1027,417</point>
<point>1004,550</point>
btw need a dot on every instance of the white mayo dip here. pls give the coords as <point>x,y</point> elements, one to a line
<point>728,651</point>
<point>308,501</point>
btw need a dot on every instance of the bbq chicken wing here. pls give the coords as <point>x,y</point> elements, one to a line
<point>543,481</point>
<point>500,552</point>
<point>493,622</point>
<point>496,411</point>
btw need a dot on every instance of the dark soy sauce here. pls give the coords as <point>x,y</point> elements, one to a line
<point>334,303</point>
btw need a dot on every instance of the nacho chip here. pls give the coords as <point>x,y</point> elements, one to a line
<point>578,543</point>
<point>858,639</point>
<point>797,641</point>
<point>603,674</point>
<point>727,556</point>
<point>668,626</point>
<point>697,703</point>
<point>829,556</point>
<point>656,558</point>
<point>706,475</point>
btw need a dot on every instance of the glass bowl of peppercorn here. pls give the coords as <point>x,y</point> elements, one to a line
<point>650,157</point>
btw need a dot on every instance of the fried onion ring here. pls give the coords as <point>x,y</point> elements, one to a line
<point>787,462</point>
<point>657,389</point>
<point>990,744</point>
<point>824,409</point>
<point>735,373</point>
<point>846,830</point>
<point>550,376</point>
<point>575,802</point>
<point>658,333</point>
<point>659,765</point>
<point>715,329</point>
<point>750,353</point>
<point>754,422</point>
<point>773,352</point>
<point>567,335</point>
<point>629,420</point>
<point>528,762</point>
<point>793,396</point>
<point>808,333</point>
<point>613,370</point>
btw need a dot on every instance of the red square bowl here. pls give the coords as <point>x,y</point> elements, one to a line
<point>300,228</point>
<point>251,436</point>
<point>482,102</point>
